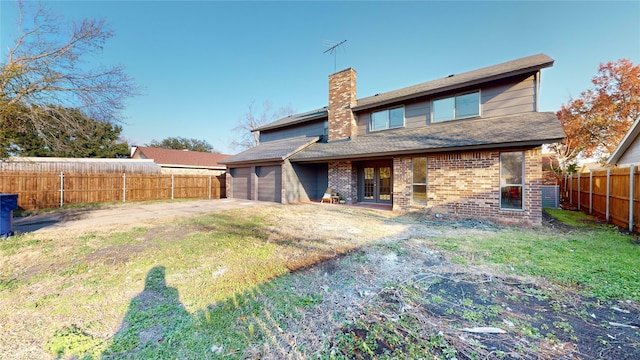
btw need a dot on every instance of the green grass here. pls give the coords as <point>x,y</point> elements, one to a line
<point>597,259</point>
<point>186,289</point>
<point>177,290</point>
<point>573,218</point>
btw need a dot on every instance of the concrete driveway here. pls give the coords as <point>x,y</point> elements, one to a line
<point>125,214</point>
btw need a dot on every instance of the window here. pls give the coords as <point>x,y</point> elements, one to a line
<point>387,119</point>
<point>419,188</point>
<point>511,180</point>
<point>456,107</point>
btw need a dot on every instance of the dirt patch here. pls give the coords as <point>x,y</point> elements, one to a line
<point>399,295</point>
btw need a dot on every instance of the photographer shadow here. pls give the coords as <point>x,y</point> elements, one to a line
<point>153,317</point>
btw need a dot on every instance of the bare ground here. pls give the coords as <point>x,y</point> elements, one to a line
<point>399,279</point>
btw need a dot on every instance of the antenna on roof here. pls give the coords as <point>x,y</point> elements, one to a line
<point>332,50</point>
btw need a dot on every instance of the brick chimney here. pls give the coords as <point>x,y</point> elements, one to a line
<point>342,95</point>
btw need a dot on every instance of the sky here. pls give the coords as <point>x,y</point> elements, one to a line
<point>200,64</point>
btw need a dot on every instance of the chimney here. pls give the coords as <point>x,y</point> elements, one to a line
<point>342,95</point>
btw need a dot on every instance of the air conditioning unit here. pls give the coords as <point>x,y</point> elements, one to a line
<point>551,196</point>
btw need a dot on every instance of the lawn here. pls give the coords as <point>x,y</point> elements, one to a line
<point>582,253</point>
<point>140,293</point>
<point>309,281</point>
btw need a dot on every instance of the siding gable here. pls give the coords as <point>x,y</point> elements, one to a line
<point>508,99</point>
<point>315,128</point>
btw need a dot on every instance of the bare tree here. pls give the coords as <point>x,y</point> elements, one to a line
<point>253,119</point>
<point>46,71</point>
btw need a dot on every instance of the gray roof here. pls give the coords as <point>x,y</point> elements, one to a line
<point>271,151</point>
<point>495,72</point>
<point>506,131</point>
<point>294,119</point>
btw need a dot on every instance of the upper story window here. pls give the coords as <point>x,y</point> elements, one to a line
<point>387,119</point>
<point>456,107</point>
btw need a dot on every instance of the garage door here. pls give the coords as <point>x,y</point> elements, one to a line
<point>240,184</point>
<point>269,183</point>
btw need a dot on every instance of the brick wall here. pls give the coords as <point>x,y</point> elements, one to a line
<point>402,187</point>
<point>467,185</point>
<point>342,95</point>
<point>343,179</point>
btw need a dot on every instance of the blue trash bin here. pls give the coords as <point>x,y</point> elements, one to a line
<point>8,203</point>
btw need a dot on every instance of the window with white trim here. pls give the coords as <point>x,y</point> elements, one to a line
<point>511,180</point>
<point>419,181</point>
<point>456,107</point>
<point>387,119</point>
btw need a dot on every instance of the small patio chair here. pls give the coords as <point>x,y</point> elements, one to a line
<point>327,195</point>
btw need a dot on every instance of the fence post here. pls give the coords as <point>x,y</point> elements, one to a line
<point>172,186</point>
<point>571,189</point>
<point>579,194</point>
<point>124,187</point>
<point>61,189</point>
<point>590,191</point>
<point>631,193</point>
<point>608,193</point>
<point>209,187</point>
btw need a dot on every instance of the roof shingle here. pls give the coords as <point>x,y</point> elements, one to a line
<point>506,131</point>
<point>494,72</point>
<point>272,150</point>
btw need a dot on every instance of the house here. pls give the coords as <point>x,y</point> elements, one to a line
<point>628,152</point>
<point>467,145</point>
<point>182,161</point>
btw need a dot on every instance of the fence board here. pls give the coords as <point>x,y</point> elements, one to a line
<point>619,195</point>
<point>39,190</point>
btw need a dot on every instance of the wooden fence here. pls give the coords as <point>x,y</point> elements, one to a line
<point>611,194</point>
<point>48,189</point>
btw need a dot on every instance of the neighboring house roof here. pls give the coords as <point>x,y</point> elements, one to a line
<point>180,158</point>
<point>272,150</point>
<point>626,142</point>
<point>506,131</point>
<point>294,119</point>
<point>500,71</point>
<point>593,166</point>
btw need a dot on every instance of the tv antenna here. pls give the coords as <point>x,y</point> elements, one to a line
<point>333,50</point>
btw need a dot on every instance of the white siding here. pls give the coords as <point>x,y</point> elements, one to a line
<point>632,155</point>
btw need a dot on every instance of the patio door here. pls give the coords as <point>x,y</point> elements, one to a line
<point>375,182</point>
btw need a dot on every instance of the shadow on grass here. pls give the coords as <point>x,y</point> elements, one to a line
<point>153,318</point>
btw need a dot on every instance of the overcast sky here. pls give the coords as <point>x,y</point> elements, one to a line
<point>201,63</point>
